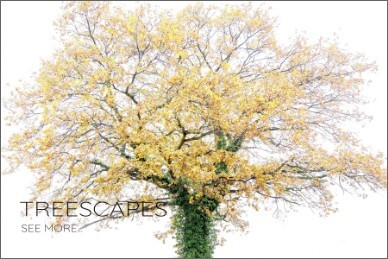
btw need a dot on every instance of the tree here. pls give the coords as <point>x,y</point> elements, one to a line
<point>201,109</point>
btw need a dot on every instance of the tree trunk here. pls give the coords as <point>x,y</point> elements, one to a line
<point>194,231</point>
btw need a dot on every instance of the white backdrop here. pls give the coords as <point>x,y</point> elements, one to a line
<point>359,229</point>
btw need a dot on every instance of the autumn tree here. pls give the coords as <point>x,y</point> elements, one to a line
<point>201,109</point>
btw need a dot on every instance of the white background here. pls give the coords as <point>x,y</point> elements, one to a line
<point>359,229</point>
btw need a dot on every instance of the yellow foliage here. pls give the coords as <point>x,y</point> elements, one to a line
<point>163,100</point>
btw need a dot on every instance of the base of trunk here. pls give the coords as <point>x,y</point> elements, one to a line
<point>194,231</point>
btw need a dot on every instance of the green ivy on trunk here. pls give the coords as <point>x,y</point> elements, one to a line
<point>194,227</point>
